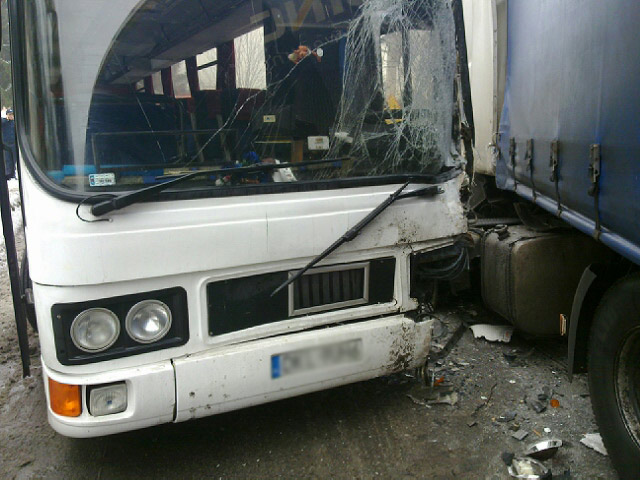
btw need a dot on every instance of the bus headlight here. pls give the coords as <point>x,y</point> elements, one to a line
<point>148,321</point>
<point>95,330</point>
<point>108,399</point>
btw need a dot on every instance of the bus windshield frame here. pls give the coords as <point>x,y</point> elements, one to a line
<point>400,113</point>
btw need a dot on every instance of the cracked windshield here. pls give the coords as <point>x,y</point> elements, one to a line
<point>133,93</point>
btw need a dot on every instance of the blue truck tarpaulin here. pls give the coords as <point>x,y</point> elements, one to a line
<point>573,87</point>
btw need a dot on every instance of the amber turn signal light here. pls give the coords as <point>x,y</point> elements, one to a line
<point>65,399</point>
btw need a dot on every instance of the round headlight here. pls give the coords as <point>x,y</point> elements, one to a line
<point>148,321</point>
<point>95,330</point>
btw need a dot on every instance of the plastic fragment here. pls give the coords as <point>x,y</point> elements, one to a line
<point>594,442</point>
<point>493,333</point>
<point>554,403</point>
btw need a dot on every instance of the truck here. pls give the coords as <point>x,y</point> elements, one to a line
<point>555,107</point>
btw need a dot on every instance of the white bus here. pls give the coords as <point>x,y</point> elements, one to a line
<point>185,161</point>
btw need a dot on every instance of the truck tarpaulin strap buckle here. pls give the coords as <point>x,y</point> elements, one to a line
<point>553,164</point>
<point>512,157</point>
<point>528,156</point>
<point>594,189</point>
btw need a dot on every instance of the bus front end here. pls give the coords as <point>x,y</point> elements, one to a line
<point>189,163</point>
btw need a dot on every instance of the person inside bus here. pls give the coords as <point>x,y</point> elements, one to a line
<point>9,141</point>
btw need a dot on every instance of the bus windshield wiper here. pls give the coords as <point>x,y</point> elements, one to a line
<point>352,233</point>
<point>121,201</point>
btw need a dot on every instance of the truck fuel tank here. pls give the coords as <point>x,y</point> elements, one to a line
<point>529,277</point>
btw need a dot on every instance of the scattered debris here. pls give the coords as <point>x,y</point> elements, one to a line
<point>525,467</point>
<point>543,450</point>
<point>547,430</point>
<point>537,432</point>
<point>555,403</point>
<point>545,395</point>
<point>510,356</point>
<point>493,333</point>
<point>446,334</point>
<point>507,417</point>
<point>507,458</point>
<point>537,406</point>
<point>485,399</point>
<point>445,398</point>
<point>417,401</point>
<point>566,475</point>
<point>515,354</point>
<point>520,434</point>
<point>473,423</point>
<point>594,441</point>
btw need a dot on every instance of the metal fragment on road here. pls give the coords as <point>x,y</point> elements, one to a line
<point>594,442</point>
<point>544,449</point>
<point>520,435</point>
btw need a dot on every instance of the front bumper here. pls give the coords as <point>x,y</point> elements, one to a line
<point>237,376</point>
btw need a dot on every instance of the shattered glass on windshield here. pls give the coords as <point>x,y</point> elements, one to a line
<point>325,89</point>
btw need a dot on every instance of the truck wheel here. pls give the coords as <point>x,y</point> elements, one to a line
<point>614,373</point>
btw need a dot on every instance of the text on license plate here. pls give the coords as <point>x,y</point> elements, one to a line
<point>316,358</point>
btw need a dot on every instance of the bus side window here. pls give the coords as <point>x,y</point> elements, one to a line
<point>207,69</point>
<point>251,70</point>
<point>157,83</point>
<point>180,80</point>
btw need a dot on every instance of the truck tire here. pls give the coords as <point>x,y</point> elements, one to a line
<point>614,373</point>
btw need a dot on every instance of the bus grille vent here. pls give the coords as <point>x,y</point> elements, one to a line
<point>328,288</point>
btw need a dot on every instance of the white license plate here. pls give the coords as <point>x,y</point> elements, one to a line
<point>316,358</point>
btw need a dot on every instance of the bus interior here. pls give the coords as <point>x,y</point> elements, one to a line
<point>338,88</point>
